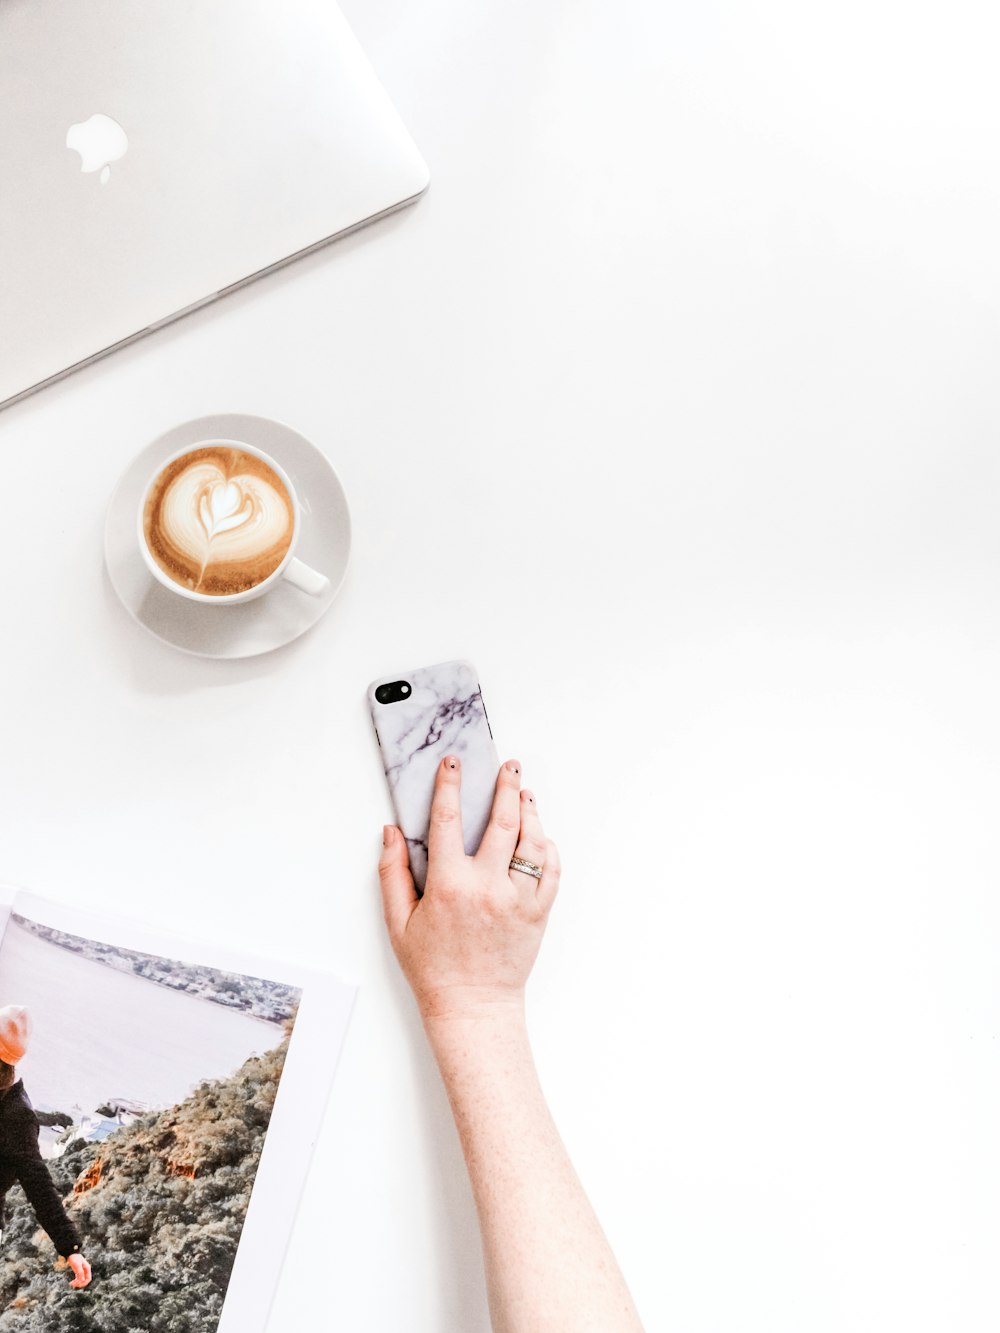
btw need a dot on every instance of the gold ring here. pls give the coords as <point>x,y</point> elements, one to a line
<point>527,867</point>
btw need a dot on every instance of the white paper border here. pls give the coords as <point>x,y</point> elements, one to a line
<point>303,1090</point>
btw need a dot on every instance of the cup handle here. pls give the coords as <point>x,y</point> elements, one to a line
<point>299,575</point>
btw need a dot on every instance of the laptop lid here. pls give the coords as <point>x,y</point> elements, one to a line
<point>156,153</point>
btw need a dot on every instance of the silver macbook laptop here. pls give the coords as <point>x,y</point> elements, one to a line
<point>155,154</point>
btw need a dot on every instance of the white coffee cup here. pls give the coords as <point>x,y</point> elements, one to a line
<point>294,571</point>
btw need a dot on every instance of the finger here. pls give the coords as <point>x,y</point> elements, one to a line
<point>399,896</point>
<point>444,838</point>
<point>502,831</point>
<point>531,845</point>
<point>548,885</point>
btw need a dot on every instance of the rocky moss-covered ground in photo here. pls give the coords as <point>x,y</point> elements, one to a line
<point>160,1206</point>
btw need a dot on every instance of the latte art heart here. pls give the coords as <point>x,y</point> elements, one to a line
<point>222,505</point>
<point>218,520</point>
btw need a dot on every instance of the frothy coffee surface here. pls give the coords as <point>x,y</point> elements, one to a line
<point>218,520</point>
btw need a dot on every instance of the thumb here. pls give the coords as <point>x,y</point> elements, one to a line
<point>399,897</point>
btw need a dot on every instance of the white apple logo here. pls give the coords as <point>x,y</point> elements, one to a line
<point>99,141</point>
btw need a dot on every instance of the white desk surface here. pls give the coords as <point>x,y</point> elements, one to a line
<point>673,406</point>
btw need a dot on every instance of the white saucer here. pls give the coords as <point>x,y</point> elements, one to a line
<point>281,614</point>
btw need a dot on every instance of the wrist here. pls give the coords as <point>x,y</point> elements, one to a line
<point>471,1016</point>
<point>483,1055</point>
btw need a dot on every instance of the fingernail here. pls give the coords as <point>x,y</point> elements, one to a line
<point>388,833</point>
<point>452,760</point>
<point>513,766</point>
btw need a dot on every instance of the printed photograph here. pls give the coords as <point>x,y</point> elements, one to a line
<point>135,1096</point>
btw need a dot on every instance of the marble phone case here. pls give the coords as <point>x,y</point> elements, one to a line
<point>443,714</point>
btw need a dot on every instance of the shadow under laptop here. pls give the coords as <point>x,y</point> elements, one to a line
<point>300,267</point>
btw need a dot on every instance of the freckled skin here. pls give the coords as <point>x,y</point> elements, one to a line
<point>466,948</point>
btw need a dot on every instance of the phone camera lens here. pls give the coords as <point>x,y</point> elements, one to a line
<point>393,692</point>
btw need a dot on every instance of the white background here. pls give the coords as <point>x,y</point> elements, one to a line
<point>673,406</point>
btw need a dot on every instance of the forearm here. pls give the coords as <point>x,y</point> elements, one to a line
<point>548,1264</point>
<point>48,1207</point>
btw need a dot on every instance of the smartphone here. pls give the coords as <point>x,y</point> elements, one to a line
<point>419,717</point>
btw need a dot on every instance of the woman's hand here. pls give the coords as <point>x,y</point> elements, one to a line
<point>81,1270</point>
<point>468,945</point>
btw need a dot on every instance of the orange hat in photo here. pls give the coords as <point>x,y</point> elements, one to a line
<point>15,1029</point>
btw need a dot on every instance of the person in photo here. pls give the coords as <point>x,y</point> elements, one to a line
<point>20,1159</point>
